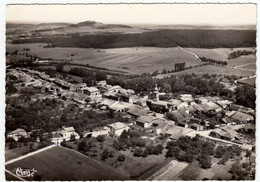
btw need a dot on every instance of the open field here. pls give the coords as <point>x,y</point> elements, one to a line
<point>18,151</point>
<point>169,171</point>
<point>218,53</point>
<point>59,163</point>
<point>212,69</point>
<point>246,61</point>
<point>249,81</point>
<point>136,168</point>
<point>133,60</point>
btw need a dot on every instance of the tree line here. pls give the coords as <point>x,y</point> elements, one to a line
<point>238,53</point>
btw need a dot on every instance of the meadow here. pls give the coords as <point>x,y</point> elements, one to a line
<point>134,60</point>
<point>59,163</point>
<point>223,53</point>
<point>212,69</point>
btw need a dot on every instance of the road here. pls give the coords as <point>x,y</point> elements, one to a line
<point>206,135</point>
<point>29,154</point>
<point>190,52</point>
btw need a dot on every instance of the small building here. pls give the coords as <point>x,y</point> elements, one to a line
<point>240,117</point>
<point>91,91</point>
<point>137,111</point>
<point>16,134</point>
<point>224,103</point>
<point>197,127</point>
<point>56,138</point>
<point>67,132</point>
<point>117,128</point>
<point>145,121</point>
<point>97,132</point>
<point>179,117</point>
<point>211,107</point>
<point>186,97</point>
<point>201,100</point>
<point>222,134</point>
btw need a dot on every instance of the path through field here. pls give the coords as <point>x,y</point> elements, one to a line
<point>27,155</point>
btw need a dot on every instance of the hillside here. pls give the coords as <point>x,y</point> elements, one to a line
<point>162,38</point>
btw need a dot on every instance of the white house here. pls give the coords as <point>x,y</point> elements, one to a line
<point>16,134</point>
<point>117,128</point>
<point>67,132</point>
<point>92,91</point>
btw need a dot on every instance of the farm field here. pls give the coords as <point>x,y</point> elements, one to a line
<point>194,172</point>
<point>218,53</point>
<point>212,69</point>
<point>243,61</point>
<point>18,151</point>
<point>134,60</point>
<point>249,81</point>
<point>50,166</point>
<point>136,168</point>
<point>169,171</point>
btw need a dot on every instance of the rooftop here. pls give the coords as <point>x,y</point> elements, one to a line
<point>117,125</point>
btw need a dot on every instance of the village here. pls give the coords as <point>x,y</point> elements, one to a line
<point>152,120</point>
<point>175,117</point>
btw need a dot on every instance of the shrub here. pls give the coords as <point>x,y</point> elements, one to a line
<point>101,138</point>
<point>138,152</point>
<point>121,158</point>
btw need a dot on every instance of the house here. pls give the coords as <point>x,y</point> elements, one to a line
<point>175,132</point>
<point>114,89</point>
<point>137,111</point>
<point>224,103</point>
<point>56,138</point>
<point>145,121</point>
<point>159,125</point>
<point>79,88</point>
<point>201,100</point>
<point>222,134</point>
<point>173,104</point>
<point>197,127</point>
<point>195,120</point>
<point>91,91</point>
<point>67,132</point>
<point>212,99</point>
<point>16,134</point>
<point>158,106</point>
<point>186,97</point>
<point>183,105</point>
<point>240,117</point>
<point>117,128</point>
<point>243,109</point>
<point>211,107</point>
<point>104,131</point>
<point>198,108</point>
<point>180,117</point>
<point>106,102</point>
<point>80,98</point>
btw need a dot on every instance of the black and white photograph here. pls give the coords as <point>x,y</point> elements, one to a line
<point>130,91</point>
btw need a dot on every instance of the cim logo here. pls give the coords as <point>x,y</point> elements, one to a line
<point>25,172</point>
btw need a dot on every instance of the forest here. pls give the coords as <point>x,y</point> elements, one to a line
<point>162,38</point>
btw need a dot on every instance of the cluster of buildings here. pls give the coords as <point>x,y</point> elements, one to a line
<point>174,117</point>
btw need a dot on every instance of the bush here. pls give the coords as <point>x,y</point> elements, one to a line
<point>205,161</point>
<point>138,152</point>
<point>101,138</point>
<point>145,153</point>
<point>121,158</point>
<point>12,145</point>
<point>105,154</point>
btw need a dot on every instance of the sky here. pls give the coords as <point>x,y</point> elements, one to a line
<point>201,14</point>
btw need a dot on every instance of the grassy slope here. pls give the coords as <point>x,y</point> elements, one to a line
<point>62,164</point>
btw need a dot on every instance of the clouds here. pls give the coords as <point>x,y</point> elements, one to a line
<point>215,14</point>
